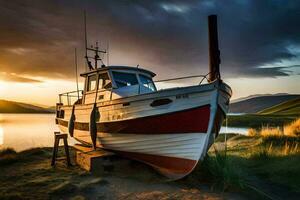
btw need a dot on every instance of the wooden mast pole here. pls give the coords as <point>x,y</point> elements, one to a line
<point>214,52</point>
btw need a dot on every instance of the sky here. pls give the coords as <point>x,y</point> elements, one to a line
<point>259,43</point>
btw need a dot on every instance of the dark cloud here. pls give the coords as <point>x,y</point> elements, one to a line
<point>169,37</point>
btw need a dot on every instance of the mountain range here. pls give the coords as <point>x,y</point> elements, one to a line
<point>261,103</point>
<point>17,107</point>
<point>258,103</point>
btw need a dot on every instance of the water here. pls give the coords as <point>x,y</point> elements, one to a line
<point>239,130</point>
<point>25,131</point>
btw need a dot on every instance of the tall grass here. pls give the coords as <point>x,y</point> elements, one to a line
<point>276,146</point>
<point>252,132</point>
<point>271,131</point>
<point>291,129</point>
<point>289,149</point>
<point>223,172</point>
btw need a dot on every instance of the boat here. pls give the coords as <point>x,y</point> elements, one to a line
<point>121,110</point>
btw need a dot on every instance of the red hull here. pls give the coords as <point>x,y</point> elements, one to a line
<point>186,121</point>
<point>171,167</point>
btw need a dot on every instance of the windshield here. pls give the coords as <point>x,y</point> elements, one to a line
<point>91,83</point>
<point>104,81</point>
<point>147,82</point>
<point>124,79</point>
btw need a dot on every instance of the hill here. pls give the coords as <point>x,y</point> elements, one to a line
<point>290,107</point>
<point>17,107</point>
<point>259,103</point>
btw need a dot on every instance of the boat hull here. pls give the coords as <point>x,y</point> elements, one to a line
<point>171,138</point>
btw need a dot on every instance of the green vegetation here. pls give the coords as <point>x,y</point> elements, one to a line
<point>256,103</point>
<point>278,115</point>
<point>258,120</point>
<point>16,107</point>
<point>262,167</point>
<point>291,107</point>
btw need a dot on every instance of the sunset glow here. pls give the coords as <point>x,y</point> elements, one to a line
<point>168,38</point>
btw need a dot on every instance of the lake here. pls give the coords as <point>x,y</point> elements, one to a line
<point>25,131</point>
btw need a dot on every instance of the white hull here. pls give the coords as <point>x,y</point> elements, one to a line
<point>174,154</point>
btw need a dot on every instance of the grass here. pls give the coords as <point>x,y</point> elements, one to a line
<point>290,107</point>
<point>10,156</point>
<point>277,159</point>
<point>278,115</point>
<point>223,173</point>
<point>7,156</point>
<point>291,129</point>
<point>258,120</point>
<point>263,167</point>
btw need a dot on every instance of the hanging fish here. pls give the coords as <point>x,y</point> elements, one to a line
<point>95,115</point>
<point>71,123</point>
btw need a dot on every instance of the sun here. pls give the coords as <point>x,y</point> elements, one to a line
<point>2,88</point>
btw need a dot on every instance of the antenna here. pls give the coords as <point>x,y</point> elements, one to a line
<point>85,39</point>
<point>96,55</point>
<point>107,51</point>
<point>76,69</point>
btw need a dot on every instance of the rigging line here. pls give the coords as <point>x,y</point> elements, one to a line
<point>76,68</point>
<point>85,40</point>
<point>185,77</point>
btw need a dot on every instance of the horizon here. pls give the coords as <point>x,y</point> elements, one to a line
<point>260,51</point>
<point>232,101</point>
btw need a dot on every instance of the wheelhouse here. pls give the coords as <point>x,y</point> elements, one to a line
<point>108,83</point>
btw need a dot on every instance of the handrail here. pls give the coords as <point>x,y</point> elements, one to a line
<point>65,93</point>
<point>69,97</point>
<point>184,77</point>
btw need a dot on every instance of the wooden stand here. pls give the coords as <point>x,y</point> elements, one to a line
<point>91,160</point>
<point>57,137</point>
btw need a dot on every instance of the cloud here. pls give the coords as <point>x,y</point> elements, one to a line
<point>169,37</point>
<point>11,77</point>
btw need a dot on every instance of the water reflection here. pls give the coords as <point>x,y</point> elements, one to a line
<point>24,131</point>
<point>238,130</point>
<point>1,136</point>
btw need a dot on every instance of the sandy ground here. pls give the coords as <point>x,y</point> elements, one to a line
<point>34,178</point>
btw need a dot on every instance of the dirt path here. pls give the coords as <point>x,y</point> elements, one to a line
<point>32,177</point>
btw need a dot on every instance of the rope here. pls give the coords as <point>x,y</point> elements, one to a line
<point>185,77</point>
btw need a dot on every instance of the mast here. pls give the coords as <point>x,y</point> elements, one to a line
<point>214,52</point>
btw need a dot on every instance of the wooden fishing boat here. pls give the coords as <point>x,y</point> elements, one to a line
<point>121,110</point>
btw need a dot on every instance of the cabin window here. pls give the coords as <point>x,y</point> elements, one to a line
<point>125,79</point>
<point>104,81</point>
<point>147,82</point>
<point>91,83</point>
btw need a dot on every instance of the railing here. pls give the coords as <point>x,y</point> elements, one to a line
<point>69,98</point>
<point>204,77</point>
